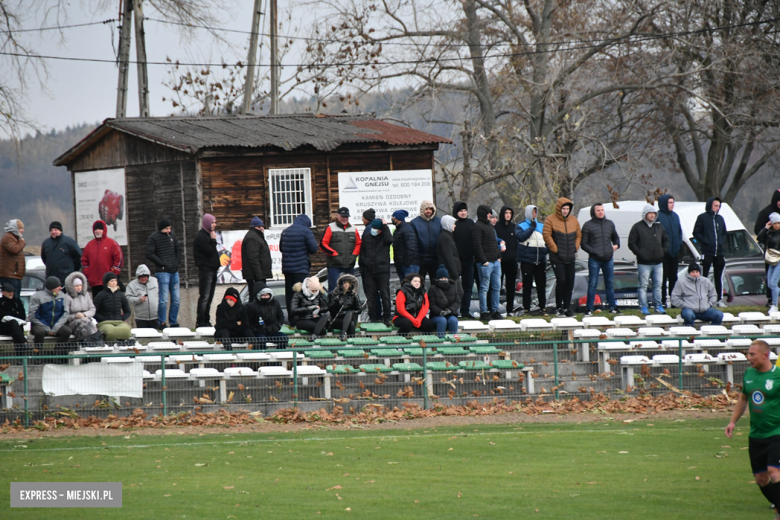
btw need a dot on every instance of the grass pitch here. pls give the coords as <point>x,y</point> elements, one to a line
<point>611,469</point>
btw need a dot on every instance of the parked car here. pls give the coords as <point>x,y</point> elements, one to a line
<point>626,285</point>
<point>741,285</point>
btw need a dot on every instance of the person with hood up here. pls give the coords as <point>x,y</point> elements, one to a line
<point>81,308</point>
<point>761,221</point>
<point>532,254</point>
<point>600,240</point>
<point>206,256</point>
<point>488,259</point>
<point>60,253</point>
<point>710,232</point>
<point>341,242</point>
<point>447,253</point>
<point>266,319</point>
<point>375,270</point>
<point>444,299</point>
<point>696,295</point>
<point>13,319</point>
<point>344,306</point>
<point>12,262</point>
<point>411,306</point>
<point>649,242</point>
<point>405,254</point>
<point>143,294</point>
<point>112,310</point>
<point>256,263</point>
<point>100,256</point>
<point>769,237</point>
<point>232,320</point>
<point>296,243</point>
<point>505,230</point>
<point>427,226</point>
<point>671,223</point>
<point>562,235</point>
<point>162,248</point>
<point>48,316</point>
<point>462,237</point>
<point>310,306</point>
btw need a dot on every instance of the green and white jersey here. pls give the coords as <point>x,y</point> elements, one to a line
<point>763,393</point>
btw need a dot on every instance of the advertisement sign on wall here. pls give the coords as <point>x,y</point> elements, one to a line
<point>229,247</point>
<point>385,191</point>
<point>100,195</point>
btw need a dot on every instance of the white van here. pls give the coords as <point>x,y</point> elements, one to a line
<point>739,242</point>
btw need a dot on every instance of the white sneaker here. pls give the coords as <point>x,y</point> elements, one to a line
<point>772,309</point>
<point>721,304</point>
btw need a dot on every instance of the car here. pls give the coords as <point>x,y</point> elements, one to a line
<point>626,285</point>
<point>741,285</point>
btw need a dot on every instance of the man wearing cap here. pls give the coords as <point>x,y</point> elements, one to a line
<point>204,251</point>
<point>48,315</point>
<point>60,253</point>
<point>375,270</point>
<point>650,243</point>
<point>341,242</point>
<point>12,318</point>
<point>428,226</point>
<point>696,296</point>
<point>255,258</point>
<point>404,245</point>
<point>162,248</point>
<point>12,262</point>
<point>100,255</point>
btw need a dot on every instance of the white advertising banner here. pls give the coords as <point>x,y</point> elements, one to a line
<point>100,195</point>
<point>386,192</point>
<point>229,247</point>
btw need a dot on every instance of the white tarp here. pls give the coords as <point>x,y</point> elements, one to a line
<point>386,192</point>
<point>96,189</point>
<point>229,247</point>
<point>113,379</point>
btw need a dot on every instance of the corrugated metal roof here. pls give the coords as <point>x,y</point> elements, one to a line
<point>288,132</point>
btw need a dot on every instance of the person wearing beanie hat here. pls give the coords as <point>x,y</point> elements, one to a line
<point>462,237</point>
<point>204,249</point>
<point>341,243</point>
<point>12,319</point>
<point>404,245</point>
<point>769,238</point>
<point>447,252</point>
<point>162,249</point>
<point>48,316</point>
<point>232,320</point>
<point>428,226</point>
<point>60,253</point>
<point>695,295</point>
<point>12,261</point>
<point>444,297</point>
<point>375,270</point>
<point>101,255</point>
<point>256,260</point>
<point>710,233</point>
<point>650,243</point>
<point>266,319</point>
<point>368,216</point>
<point>112,310</point>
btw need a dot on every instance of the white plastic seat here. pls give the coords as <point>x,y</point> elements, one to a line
<point>473,326</point>
<point>253,356</point>
<point>137,346</point>
<point>503,325</point>
<point>634,360</point>
<point>729,319</point>
<point>164,345</point>
<point>754,317</point>
<point>151,360</point>
<point>205,332</point>
<point>185,358</point>
<point>714,330</point>
<point>746,330</point>
<point>629,320</point>
<point>699,357</point>
<point>731,356</point>
<point>643,344</point>
<point>98,349</point>
<point>274,371</point>
<point>771,329</point>
<point>240,372</point>
<point>208,358</point>
<point>587,333</point>
<point>775,316</point>
<point>566,324</point>
<point>708,343</point>
<point>172,373</point>
<point>661,320</point>
<point>199,345</point>
<point>178,332</point>
<point>651,332</point>
<point>591,322</point>
<point>148,375</point>
<point>206,373</point>
<point>673,343</point>
<point>6,339</point>
<point>535,324</point>
<point>772,356</point>
<point>620,333</point>
<point>666,359</point>
<point>613,345</point>
<point>285,355</point>
<point>773,342</point>
<point>310,370</point>
<point>146,333</point>
<point>683,331</point>
<point>118,359</point>
<point>738,342</point>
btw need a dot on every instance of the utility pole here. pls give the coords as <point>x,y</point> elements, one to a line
<point>251,59</point>
<point>274,62</point>
<point>124,59</point>
<point>140,53</point>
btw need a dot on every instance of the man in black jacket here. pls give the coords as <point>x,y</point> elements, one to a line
<point>405,254</point>
<point>207,259</point>
<point>488,259</point>
<point>11,307</point>
<point>649,242</point>
<point>505,230</point>
<point>266,319</point>
<point>447,251</point>
<point>255,258</point>
<point>462,237</point>
<point>600,240</point>
<point>162,248</point>
<point>60,253</point>
<point>710,232</point>
<point>375,269</point>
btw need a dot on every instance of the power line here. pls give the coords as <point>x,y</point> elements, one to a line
<point>57,27</point>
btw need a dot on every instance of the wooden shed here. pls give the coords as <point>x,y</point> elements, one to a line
<point>235,167</point>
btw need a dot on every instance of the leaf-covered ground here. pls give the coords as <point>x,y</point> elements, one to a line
<point>619,468</point>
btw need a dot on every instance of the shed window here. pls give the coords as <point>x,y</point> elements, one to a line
<point>290,195</point>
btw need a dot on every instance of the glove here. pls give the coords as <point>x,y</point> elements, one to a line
<point>316,312</point>
<point>443,314</point>
<point>447,312</point>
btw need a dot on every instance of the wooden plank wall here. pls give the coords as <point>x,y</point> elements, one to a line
<point>117,150</point>
<point>154,192</point>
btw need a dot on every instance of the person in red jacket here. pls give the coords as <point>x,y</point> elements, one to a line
<point>101,255</point>
<point>411,306</point>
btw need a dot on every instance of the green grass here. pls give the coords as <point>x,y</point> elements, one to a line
<point>506,471</point>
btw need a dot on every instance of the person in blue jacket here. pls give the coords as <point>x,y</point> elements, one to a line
<point>710,232</point>
<point>671,223</point>
<point>532,255</point>
<point>60,253</point>
<point>296,244</point>
<point>428,226</point>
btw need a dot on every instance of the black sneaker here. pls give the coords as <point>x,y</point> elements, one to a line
<point>387,322</point>
<point>570,312</point>
<point>613,310</point>
<point>343,336</point>
<point>496,316</point>
<point>559,313</point>
<point>314,337</point>
<point>588,312</point>
<point>484,316</point>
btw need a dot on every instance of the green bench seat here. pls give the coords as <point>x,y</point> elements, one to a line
<point>375,367</point>
<point>341,369</point>
<point>486,349</point>
<point>319,354</point>
<point>452,351</point>
<point>330,342</point>
<point>413,351</point>
<point>296,343</point>
<point>375,327</point>
<point>461,338</point>
<point>407,367</point>
<point>507,364</point>
<point>352,352</point>
<point>386,352</point>
<point>363,342</point>
<point>428,338</point>
<point>473,365</point>
<point>396,340</point>
<point>441,366</point>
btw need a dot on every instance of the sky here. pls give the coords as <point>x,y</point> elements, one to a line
<point>78,92</point>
